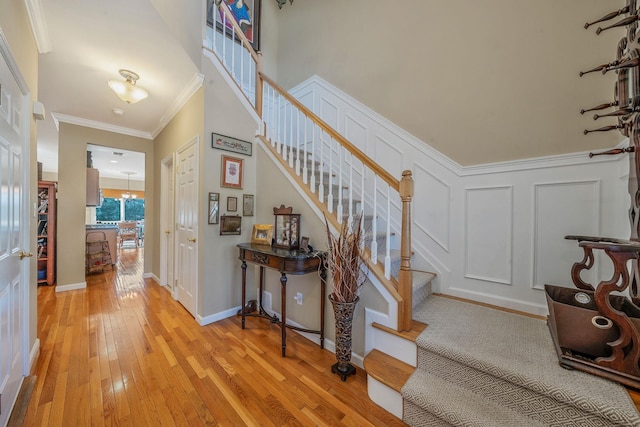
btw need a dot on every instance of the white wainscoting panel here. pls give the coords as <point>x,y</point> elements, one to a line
<point>386,153</point>
<point>329,112</point>
<point>489,234</point>
<point>355,132</point>
<point>432,207</point>
<point>562,208</point>
<point>493,233</point>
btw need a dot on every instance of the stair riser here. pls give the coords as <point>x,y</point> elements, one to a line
<point>395,346</point>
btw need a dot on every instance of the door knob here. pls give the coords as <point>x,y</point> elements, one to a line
<point>192,239</point>
<point>167,232</point>
<point>24,254</point>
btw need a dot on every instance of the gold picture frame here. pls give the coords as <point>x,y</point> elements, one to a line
<point>262,234</point>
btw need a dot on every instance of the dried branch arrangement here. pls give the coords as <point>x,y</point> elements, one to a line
<point>346,261</point>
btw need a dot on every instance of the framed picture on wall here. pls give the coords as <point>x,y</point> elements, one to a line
<point>246,14</point>
<point>230,224</point>
<point>231,172</point>
<point>247,205</point>
<point>232,204</point>
<point>214,209</point>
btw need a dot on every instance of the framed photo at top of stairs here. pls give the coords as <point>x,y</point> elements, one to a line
<point>246,14</point>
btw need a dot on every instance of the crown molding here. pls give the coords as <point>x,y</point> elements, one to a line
<point>38,25</point>
<point>179,102</point>
<point>58,117</point>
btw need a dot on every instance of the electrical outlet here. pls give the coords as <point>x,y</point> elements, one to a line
<point>298,298</point>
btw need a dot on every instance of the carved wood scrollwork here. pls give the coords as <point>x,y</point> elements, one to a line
<point>622,362</point>
<point>260,258</point>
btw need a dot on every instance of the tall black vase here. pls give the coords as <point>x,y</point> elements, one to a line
<point>343,312</point>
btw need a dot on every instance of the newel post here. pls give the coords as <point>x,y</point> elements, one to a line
<point>259,88</point>
<point>405,276</point>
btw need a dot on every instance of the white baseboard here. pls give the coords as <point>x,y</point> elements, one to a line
<point>206,320</point>
<point>518,305</point>
<point>34,354</point>
<point>71,287</point>
<point>150,276</point>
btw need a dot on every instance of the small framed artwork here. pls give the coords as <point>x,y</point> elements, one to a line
<point>230,224</point>
<point>223,142</point>
<point>262,234</point>
<point>247,205</point>
<point>304,244</point>
<point>232,204</point>
<point>214,208</point>
<point>231,172</point>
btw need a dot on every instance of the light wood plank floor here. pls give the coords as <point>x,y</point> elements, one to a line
<point>123,352</point>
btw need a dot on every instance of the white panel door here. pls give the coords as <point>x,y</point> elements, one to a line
<point>187,226</point>
<point>13,229</point>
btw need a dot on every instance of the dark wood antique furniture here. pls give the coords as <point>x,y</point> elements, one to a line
<point>596,327</point>
<point>286,262</point>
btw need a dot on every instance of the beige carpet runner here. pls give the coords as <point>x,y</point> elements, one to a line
<point>483,367</point>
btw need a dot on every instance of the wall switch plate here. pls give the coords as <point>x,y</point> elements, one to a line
<point>298,298</point>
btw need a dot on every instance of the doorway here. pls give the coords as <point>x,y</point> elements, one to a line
<point>167,224</point>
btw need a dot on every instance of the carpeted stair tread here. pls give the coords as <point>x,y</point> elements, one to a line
<point>518,350</point>
<point>457,405</point>
<point>538,407</point>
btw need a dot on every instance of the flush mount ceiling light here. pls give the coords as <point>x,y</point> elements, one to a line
<point>127,90</point>
<point>283,2</point>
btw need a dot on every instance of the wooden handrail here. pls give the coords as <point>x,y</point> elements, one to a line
<point>377,169</point>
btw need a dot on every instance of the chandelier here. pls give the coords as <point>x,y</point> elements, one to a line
<point>128,194</point>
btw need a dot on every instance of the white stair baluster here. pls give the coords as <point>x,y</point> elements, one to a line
<point>313,157</point>
<point>297,142</point>
<point>305,171</point>
<point>387,257</point>
<point>331,180</point>
<point>374,222</point>
<point>339,195</point>
<point>321,168</point>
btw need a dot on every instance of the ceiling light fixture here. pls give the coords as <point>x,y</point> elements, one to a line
<point>283,2</point>
<point>127,90</point>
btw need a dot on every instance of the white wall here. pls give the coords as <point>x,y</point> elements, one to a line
<point>495,232</point>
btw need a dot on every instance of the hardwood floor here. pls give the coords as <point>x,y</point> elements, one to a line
<point>123,352</point>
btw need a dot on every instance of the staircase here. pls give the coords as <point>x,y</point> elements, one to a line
<point>471,365</point>
<point>483,366</point>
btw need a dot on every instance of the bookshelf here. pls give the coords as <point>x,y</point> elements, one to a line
<point>46,237</point>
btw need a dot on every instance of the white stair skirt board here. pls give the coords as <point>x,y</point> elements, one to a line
<point>384,396</point>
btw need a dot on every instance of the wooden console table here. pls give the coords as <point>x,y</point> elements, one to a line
<point>286,262</point>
